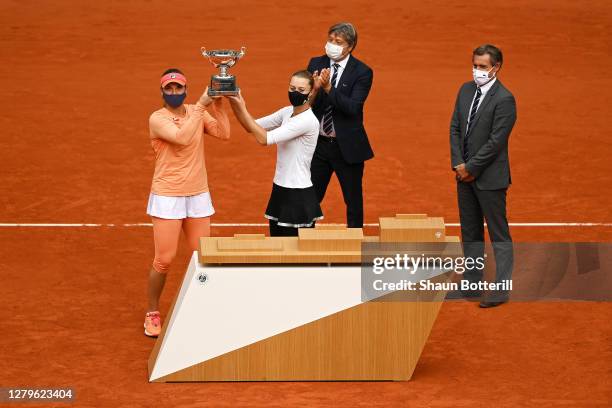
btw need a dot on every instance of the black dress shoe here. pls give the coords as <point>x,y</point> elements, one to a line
<point>457,294</point>
<point>485,304</point>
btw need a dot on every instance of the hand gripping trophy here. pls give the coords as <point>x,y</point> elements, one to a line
<point>223,84</point>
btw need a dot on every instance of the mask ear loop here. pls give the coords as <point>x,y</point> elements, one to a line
<point>494,75</point>
<point>307,98</point>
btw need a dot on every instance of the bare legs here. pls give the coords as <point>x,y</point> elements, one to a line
<point>194,229</point>
<point>166,235</point>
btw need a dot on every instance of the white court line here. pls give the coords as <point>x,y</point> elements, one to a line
<point>448,224</point>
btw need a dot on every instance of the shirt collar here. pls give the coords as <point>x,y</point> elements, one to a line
<point>341,63</point>
<point>485,88</point>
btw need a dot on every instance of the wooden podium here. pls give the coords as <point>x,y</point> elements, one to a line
<point>256,308</point>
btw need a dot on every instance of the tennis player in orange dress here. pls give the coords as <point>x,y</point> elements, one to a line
<point>179,198</point>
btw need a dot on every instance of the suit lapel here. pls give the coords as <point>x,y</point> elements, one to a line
<point>346,76</point>
<point>484,104</point>
<point>324,63</point>
<point>467,102</point>
<point>348,71</point>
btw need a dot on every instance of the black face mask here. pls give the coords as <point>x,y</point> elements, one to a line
<point>175,101</point>
<point>297,98</point>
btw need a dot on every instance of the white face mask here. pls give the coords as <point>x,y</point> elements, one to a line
<point>481,77</point>
<point>333,51</point>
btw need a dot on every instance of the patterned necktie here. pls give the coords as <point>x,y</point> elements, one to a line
<point>328,120</point>
<point>474,107</point>
<point>472,116</point>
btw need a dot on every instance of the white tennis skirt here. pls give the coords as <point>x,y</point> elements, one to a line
<point>177,208</point>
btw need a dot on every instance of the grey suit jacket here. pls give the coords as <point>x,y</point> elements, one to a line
<point>488,135</point>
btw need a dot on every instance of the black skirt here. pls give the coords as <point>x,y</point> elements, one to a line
<point>293,207</point>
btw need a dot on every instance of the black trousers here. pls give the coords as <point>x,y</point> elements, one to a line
<point>327,160</point>
<point>476,206</point>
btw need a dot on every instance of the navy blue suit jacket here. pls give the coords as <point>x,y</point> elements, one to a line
<point>347,99</point>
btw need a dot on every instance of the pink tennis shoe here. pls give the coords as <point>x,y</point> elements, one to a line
<point>152,324</point>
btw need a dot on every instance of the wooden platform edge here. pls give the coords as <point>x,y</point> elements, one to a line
<point>258,360</point>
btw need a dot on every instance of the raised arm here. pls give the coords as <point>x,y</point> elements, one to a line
<point>216,122</point>
<point>246,120</point>
<point>164,128</point>
<point>316,89</point>
<point>288,131</point>
<point>353,104</point>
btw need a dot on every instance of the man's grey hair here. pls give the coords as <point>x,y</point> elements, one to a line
<point>346,31</point>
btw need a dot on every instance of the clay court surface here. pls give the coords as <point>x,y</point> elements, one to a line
<point>80,79</point>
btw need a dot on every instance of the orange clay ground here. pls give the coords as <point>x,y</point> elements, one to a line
<point>79,80</point>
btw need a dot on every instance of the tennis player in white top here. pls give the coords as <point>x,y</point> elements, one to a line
<point>294,129</point>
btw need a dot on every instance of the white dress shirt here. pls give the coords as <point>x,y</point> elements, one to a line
<point>342,66</point>
<point>484,89</point>
<point>296,140</point>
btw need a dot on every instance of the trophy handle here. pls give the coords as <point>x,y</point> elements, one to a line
<point>205,54</point>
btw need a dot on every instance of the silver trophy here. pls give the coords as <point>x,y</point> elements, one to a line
<point>224,83</point>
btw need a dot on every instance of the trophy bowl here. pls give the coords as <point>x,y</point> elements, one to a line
<point>224,83</point>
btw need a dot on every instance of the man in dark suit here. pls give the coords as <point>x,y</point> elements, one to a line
<point>343,83</point>
<point>485,112</point>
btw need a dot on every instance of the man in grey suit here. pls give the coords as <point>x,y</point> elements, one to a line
<point>485,112</point>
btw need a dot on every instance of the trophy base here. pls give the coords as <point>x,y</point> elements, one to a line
<point>223,86</point>
<point>212,92</point>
